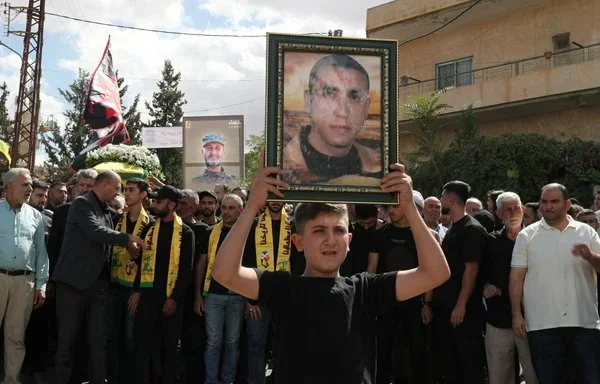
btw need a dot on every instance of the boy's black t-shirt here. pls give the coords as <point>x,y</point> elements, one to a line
<point>464,242</point>
<point>324,328</point>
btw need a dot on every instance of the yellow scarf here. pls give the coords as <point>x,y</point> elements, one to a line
<point>213,244</point>
<point>263,240</point>
<point>124,268</point>
<point>149,255</point>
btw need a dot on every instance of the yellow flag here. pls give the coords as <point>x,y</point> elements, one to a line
<point>5,150</point>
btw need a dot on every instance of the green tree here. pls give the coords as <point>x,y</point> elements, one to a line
<point>424,111</point>
<point>255,143</point>
<point>62,145</point>
<point>166,111</point>
<point>131,115</point>
<point>521,163</point>
<point>6,125</point>
<point>467,130</point>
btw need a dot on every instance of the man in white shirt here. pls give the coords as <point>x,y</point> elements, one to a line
<point>554,267</point>
<point>432,212</point>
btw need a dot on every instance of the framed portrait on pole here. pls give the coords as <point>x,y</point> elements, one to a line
<point>331,121</point>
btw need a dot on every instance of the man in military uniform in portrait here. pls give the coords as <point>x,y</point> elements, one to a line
<point>213,150</point>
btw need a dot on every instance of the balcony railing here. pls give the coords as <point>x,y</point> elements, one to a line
<point>510,69</point>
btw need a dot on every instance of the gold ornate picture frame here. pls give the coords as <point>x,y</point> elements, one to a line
<point>332,116</point>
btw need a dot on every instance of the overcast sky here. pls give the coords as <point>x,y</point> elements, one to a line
<point>215,71</point>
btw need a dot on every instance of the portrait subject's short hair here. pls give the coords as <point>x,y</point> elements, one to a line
<point>340,61</point>
<point>309,211</point>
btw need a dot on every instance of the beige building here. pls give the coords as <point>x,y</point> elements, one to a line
<point>525,65</point>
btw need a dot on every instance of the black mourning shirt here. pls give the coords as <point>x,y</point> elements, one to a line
<point>464,242</point>
<point>397,251</point>
<point>357,259</point>
<point>325,327</point>
<point>497,271</point>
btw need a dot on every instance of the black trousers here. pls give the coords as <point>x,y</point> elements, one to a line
<point>37,338</point>
<point>120,336</point>
<point>459,352</point>
<point>74,309</point>
<point>153,331</point>
<point>398,328</point>
<point>193,340</point>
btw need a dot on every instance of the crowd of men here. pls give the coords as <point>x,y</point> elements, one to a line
<point>100,284</point>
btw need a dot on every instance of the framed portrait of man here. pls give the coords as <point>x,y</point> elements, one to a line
<point>213,151</point>
<point>332,116</point>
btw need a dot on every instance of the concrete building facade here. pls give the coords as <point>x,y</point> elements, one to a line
<point>530,66</point>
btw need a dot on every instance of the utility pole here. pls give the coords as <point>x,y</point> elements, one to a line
<point>28,98</point>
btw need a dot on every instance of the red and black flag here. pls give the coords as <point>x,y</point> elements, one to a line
<point>103,109</point>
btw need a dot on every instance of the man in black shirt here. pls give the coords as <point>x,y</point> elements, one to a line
<point>268,248</point>
<point>324,325</point>
<point>208,208</point>
<point>164,274</point>
<point>193,338</point>
<point>393,249</point>
<point>500,340</point>
<point>123,272</point>
<point>362,239</point>
<point>457,304</point>
<point>223,308</point>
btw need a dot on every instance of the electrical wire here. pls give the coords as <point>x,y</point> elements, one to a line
<point>149,29</point>
<point>10,49</point>
<point>442,26</point>
<point>226,106</point>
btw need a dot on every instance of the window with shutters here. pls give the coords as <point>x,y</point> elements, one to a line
<point>454,73</point>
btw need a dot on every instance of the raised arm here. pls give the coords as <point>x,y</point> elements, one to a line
<point>227,268</point>
<point>433,269</point>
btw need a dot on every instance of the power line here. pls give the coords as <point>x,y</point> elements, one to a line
<point>470,42</point>
<point>225,106</point>
<point>442,26</point>
<point>149,29</point>
<point>12,50</point>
